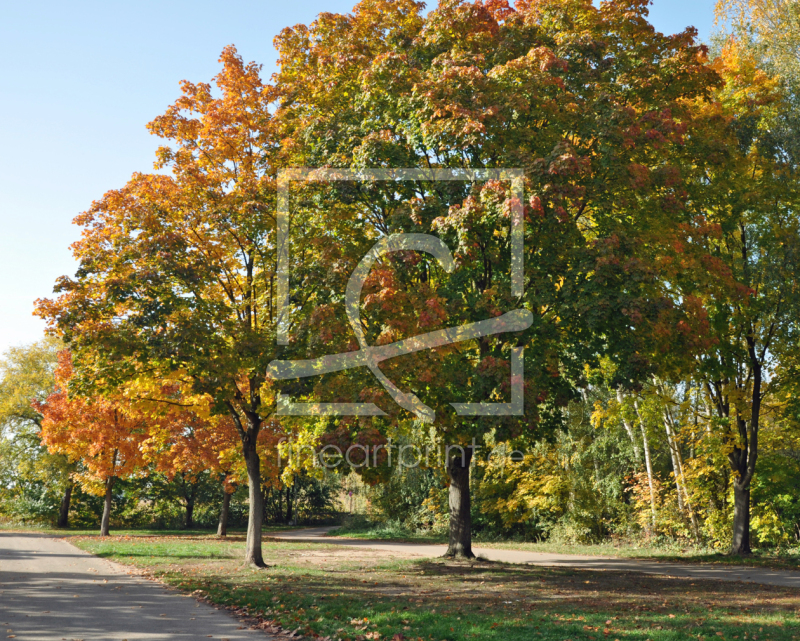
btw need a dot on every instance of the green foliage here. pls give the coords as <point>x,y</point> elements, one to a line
<point>307,500</point>
<point>585,484</point>
<point>661,264</point>
<point>32,480</point>
<point>413,497</point>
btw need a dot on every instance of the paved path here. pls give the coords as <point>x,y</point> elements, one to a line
<point>51,590</point>
<point>784,578</point>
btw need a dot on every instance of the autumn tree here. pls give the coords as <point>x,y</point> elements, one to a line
<point>177,271</point>
<point>185,440</point>
<point>775,27</point>
<point>599,111</point>
<point>754,323</point>
<point>769,30</point>
<point>104,434</point>
<point>27,374</point>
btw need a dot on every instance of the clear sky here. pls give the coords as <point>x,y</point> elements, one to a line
<point>79,81</point>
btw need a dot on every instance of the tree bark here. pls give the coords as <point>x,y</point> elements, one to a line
<point>648,466</point>
<point>677,465</point>
<point>628,428</point>
<point>248,424</point>
<point>190,511</point>
<point>189,491</point>
<point>279,504</point>
<point>63,513</point>
<point>107,507</point>
<point>255,518</point>
<point>672,438</point>
<point>675,470</point>
<point>743,460</point>
<point>741,518</point>
<point>289,505</point>
<point>222,528</point>
<point>460,545</point>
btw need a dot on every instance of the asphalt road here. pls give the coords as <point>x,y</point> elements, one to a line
<point>716,572</point>
<point>51,590</point>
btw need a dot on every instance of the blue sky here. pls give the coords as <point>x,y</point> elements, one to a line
<point>79,82</point>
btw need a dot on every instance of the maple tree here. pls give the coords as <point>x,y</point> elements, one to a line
<point>747,293</point>
<point>103,433</point>
<point>186,439</point>
<point>601,113</point>
<point>177,271</point>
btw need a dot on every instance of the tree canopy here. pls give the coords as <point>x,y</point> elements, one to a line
<point>646,231</point>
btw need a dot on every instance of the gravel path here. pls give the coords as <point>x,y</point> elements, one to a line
<point>51,590</point>
<point>784,578</point>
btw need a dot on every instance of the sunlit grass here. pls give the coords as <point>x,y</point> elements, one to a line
<point>348,593</point>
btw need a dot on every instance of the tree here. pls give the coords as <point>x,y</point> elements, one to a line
<point>754,323</point>
<point>770,32</point>
<point>187,440</point>
<point>177,271</point>
<point>27,374</point>
<point>104,434</point>
<point>598,109</point>
<point>776,27</point>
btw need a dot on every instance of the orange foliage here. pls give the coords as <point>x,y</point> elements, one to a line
<point>103,433</point>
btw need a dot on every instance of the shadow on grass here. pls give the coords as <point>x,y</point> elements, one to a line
<point>351,593</point>
<point>461,600</point>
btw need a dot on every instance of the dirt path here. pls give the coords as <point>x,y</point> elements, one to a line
<point>51,590</point>
<point>784,578</point>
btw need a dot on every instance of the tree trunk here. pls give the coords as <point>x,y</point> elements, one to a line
<point>63,513</point>
<point>248,424</point>
<point>255,517</point>
<point>289,505</point>
<point>741,518</point>
<point>107,507</point>
<point>222,528</point>
<point>628,428</point>
<point>460,517</point>
<point>190,511</point>
<point>279,505</point>
<point>744,460</point>
<point>675,470</point>
<point>672,440</point>
<point>648,466</point>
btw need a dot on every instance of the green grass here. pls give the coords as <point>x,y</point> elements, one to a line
<point>70,531</point>
<point>352,594</point>
<point>362,529</point>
